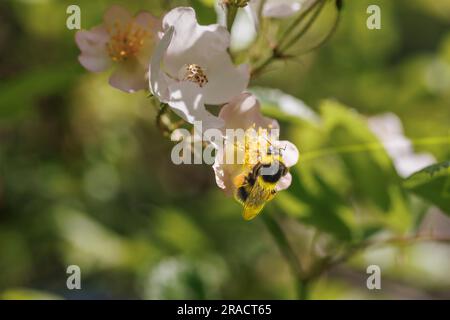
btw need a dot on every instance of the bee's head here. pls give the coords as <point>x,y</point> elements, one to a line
<point>271,150</point>
<point>272,172</point>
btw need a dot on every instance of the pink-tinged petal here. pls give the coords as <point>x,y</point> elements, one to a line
<point>129,77</point>
<point>284,182</point>
<point>92,44</point>
<point>91,41</point>
<point>148,22</point>
<point>151,26</point>
<point>244,111</point>
<point>186,100</point>
<point>116,14</point>
<point>94,63</point>
<point>289,152</point>
<point>225,173</point>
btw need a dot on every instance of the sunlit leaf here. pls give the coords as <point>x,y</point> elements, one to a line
<point>27,294</point>
<point>432,184</point>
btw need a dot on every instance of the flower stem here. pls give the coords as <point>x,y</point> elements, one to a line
<point>288,252</point>
<point>231,16</point>
<point>297,21</point>
<point>279,50</point>
<point>303,290</point>
<point>303,31</point>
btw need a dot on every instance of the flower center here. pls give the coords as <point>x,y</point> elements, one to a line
<point>257,145</point>
<point>194,73</point>
<point>126,41</point>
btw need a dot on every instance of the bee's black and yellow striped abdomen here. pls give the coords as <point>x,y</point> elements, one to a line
<point>258,186</point>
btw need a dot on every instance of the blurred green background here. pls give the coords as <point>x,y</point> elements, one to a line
<point>86,177</point>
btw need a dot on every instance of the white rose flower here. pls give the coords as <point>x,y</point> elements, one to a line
<point>191,68</point>
<point>124,41</point>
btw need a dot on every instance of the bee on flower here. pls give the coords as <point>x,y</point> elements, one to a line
<point>264,170</point>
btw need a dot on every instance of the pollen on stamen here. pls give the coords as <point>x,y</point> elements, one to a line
<point>255,147</point>
<point>195,73</point>
<point>126,41</point>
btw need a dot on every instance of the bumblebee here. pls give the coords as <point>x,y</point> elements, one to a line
<point>257,184</point>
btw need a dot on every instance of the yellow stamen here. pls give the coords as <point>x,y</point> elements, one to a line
<point>195,73</point>
<point>126,40</point>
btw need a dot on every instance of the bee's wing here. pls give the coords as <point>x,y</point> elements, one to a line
<point>260,194</point>
<point>250,212</point>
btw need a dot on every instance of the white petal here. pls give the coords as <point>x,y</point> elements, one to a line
<point>252,12</point>
<point>129,77</point>
<point>225,80</point>
<point>186,100</point>
<point>408,164</point>
<point>281,9</point>
<point>147,21</point>
<point>151,25</point>
<point>225,173</point>
<point>289,152</point>
<point>94,56</point>
<point>244,30</point>
<point>284,182</point>
<point>116,14</point>
<point>192,43</point>
<point>158,82</point>
<point>94,63</point>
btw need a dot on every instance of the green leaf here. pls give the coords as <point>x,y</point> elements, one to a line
<point>275,103</point>
<point>205,11</point>
<point>27,294</point>
<point>322,210</point>
<point>18,96</point>
<point>367,163</point>
<point>432,184</point>
<point>374,181</point>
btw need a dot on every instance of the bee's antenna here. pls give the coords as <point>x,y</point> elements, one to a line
<point>268,141</point>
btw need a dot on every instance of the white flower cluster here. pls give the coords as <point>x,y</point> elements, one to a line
<point>188,67</point>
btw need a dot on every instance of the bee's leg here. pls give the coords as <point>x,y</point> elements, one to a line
<point>255,171</point>
<point>242,194</point>
<point>272,194</point>
<point>285,170</point>
<point>239,180</point>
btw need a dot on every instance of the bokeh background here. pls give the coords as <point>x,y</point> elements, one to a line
<point>86,177</point>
